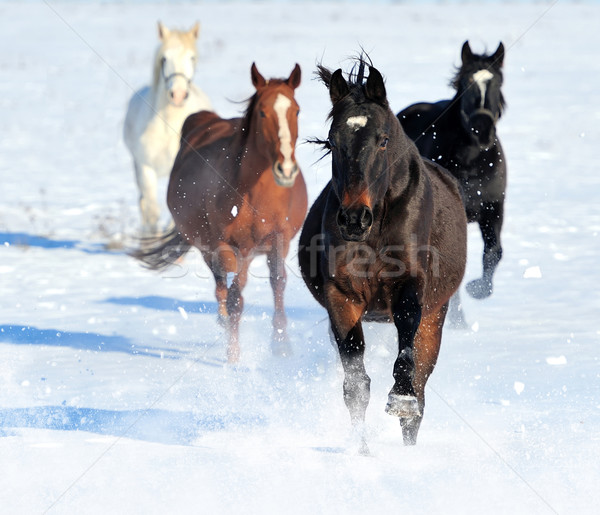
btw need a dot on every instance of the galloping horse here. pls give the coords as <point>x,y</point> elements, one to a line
<point>460,134</point>
<point>236,191</point>
<point>384,241</point>
<point>157,112</point>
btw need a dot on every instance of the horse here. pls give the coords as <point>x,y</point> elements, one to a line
<point>384,241</point>
<point>460,134</point>
<point>156,113</point>
<point>236,191</point>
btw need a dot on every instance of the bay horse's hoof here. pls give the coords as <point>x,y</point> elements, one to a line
<point>479,288</point>
<point>403,406</point>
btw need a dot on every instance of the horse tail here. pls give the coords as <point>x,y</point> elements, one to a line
<point>162,251</point>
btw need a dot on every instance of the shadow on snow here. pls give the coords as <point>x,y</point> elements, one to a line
<point>160,426</point>
<point>22,239</point>
<point>20,334</point>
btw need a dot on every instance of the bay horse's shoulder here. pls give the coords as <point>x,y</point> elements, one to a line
<point>205,127</point>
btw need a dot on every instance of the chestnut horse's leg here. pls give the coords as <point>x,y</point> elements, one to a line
<point>427,348</point>
<point>220,289</point>
<point>406,310</point>
<point>276,260</point>
<point>347,330</point>
<point>232,269</point>
<point>490,224</point>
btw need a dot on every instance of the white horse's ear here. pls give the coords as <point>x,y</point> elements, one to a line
<point>163,32</point>
<point>195,30</point>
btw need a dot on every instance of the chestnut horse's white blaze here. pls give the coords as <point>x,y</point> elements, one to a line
<point>156,114</point>
<point>481,78</point>
<point>281,107</point>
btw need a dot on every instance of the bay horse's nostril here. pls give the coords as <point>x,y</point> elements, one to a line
<point>354,222</point>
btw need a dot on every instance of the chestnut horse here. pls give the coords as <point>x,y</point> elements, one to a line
<point>236,191</point>
<point>385,241</point>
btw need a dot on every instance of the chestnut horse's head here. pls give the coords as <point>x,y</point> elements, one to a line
<point>275,122</point>
<point>362,125</point>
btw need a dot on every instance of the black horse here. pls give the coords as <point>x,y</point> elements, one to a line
<point>460,134</point>
<point>384,241</point>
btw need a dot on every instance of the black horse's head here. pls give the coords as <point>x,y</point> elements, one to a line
<point>362,125</point>
<point>478,82</point>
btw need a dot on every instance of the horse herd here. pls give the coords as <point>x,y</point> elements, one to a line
<point>384,241</point>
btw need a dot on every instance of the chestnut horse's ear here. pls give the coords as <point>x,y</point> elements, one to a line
<point>375,87</point>
<point>195,30</point>
<point>498,57</point>
<point>257,79</point>
<point>294,78</point>
<point>163,32</point>
<point>338,87</point>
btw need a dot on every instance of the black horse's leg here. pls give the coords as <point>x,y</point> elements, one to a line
<point>490,223</point>
<point>402,400</point>
<point>347,331</point>
<point>280,344</point>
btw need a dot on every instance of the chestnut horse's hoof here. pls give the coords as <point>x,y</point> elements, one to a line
<point>403,406</point>
<point>281,348</point>
<point>479,288</point>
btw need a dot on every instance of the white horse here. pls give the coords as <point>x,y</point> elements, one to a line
<point>156,114</point>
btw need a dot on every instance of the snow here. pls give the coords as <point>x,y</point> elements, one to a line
<point>114,393</point>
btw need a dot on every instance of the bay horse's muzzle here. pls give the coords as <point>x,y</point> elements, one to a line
<point>284,174</point>
<point>482,124</point>
<point>355,222</point>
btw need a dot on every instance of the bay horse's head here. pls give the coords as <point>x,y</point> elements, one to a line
<point>478,82</point>
<point>175,62</point>
<point>274,116</point>
<point>362,126</point>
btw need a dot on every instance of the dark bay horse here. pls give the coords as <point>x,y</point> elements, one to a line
<point>384,241</point>
<point>236,191</point>
<point>460,134</point>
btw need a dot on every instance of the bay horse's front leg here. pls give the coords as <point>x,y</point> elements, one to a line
<point>280,343</point>
<point>347,330</point>
<point>406,311</point>
<point>490,224</point>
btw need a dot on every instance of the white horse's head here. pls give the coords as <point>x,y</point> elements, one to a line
<point>175,62</point>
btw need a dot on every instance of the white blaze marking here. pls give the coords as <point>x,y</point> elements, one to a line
<point>356,122</point>
<point>281,106</point>
<point>481,78</point>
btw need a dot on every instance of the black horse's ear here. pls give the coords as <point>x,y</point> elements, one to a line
<point>466,55</point>
<point>498,57</point>
<point>375,87</point>
<point>294,78</point>
<point>257,79</point>
<point>338,87</point>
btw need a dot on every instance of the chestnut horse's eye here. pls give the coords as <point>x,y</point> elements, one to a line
<point>263,114</point>
<point>384,143</point>
<point>297,112</point>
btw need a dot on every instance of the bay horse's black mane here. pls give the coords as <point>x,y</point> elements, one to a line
<point>478,62</point>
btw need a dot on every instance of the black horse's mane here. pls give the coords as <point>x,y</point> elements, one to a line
<point>478,62</point>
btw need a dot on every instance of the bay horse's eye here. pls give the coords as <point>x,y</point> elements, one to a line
<point>384,143</point>
<point>331,142</point>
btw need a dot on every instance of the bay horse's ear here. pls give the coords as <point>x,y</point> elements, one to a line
<point>195,30</point>
<point>338,87</point>
<point>257,79</point>
<point>375,88</point>
<point>466,54</point>
<point>163,32</point>
<point>498,57</point>
<point>294,78</point>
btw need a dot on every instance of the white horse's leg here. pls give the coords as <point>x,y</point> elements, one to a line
<point>149,209</point>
